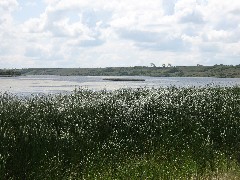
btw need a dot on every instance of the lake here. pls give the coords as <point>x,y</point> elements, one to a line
<point>26,85</point>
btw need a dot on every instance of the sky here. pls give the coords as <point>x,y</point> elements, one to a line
<point>109,33</point>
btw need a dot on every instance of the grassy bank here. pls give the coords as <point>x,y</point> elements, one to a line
<point>220,71</point>
<point>167,133</point>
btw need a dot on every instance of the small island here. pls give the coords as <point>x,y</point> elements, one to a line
<point>123,79</point>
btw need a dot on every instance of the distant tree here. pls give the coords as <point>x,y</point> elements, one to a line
<point>152,64</point>
<point>163,65</point>
<point>169,65</point>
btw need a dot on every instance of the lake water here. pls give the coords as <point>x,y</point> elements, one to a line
<point>26,85</point>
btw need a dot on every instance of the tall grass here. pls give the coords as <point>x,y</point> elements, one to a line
<point>166,133</point>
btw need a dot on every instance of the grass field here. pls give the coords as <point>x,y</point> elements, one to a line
<point>166,133</point>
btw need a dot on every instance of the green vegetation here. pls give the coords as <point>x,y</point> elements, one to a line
<point>9,72</point>
<point>221,71</point>
<point>166,133</point>
<point>178,71</point>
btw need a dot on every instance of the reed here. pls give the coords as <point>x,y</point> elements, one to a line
<point>165,133</point>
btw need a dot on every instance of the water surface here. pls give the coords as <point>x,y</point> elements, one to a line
<point>26,85</point>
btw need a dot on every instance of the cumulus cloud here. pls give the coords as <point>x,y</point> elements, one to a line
<point>120,33</point>
<point>8,33</point>
<point>6,7</point>
<point>192,17</point>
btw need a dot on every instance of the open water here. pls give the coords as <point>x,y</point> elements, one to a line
<point>27,85</point>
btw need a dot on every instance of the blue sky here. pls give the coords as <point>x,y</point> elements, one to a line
<point>103,33</point>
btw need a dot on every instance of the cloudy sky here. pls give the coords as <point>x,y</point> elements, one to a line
<point>103,33</point>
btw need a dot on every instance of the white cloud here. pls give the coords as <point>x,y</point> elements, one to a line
<point>8,5</point>
<point>8,33</point>
<point>120,33</point>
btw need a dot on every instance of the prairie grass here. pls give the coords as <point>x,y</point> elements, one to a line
<point>165,133</point>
